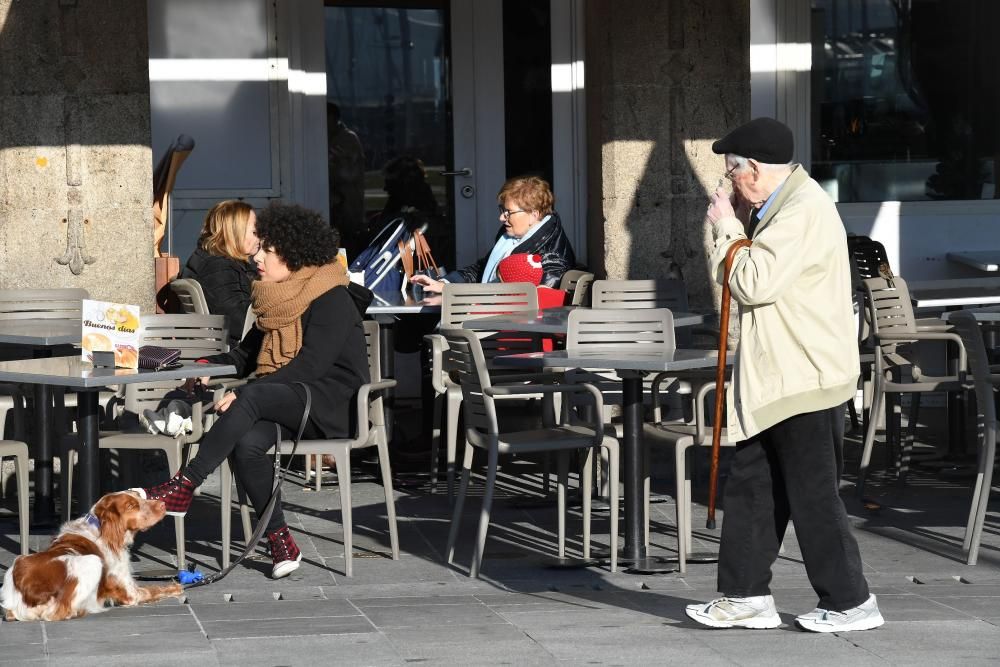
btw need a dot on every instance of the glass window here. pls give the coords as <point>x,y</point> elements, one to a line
<point>906,99</point>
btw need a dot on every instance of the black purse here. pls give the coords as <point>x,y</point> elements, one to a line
<point>156,358</point>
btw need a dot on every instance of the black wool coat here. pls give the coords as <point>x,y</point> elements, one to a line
<point>226,283</point>
<point>333,360</point>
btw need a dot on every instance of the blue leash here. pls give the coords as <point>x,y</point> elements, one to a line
<point>193,579</point>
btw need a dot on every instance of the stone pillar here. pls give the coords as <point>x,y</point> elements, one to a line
<point>665,78</point>
<point>75,160</point>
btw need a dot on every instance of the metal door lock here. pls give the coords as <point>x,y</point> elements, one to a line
<point>468,191</point>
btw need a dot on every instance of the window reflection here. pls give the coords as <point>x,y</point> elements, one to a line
<point>906,96</point>
<point>387,77</point>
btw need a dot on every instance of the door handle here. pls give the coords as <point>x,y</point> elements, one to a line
<point>461,172</point>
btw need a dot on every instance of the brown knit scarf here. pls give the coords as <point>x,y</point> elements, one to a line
<point>279,308</point>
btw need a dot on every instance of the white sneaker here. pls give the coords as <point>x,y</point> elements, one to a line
<point>755,613</point>
<point>865,616</point>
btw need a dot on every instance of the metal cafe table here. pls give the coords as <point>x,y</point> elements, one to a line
<point>87,380</point>
<point>630,367</point>
<point>40,335</point>
<point>553,321</point>
<point>984,260</point>
<point>385,308</point>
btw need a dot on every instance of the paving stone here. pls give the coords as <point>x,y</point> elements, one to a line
<point>969,642</point>
<point>345,649</point>
<point>18,632</point>
<point>288,627</point>
<point>16,653</point>
<point>469,645</point>
<point>235,611</point>
<point>432,615</point>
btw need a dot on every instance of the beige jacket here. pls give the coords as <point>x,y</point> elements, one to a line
<point>798,347</point>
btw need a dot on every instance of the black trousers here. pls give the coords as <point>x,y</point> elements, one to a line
<point>791,471</point>
<point>247,431</point>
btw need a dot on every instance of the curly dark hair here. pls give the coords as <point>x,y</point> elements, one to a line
<point>300,236</point>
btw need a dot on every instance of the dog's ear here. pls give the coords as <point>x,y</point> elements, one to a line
<point>110,510</point>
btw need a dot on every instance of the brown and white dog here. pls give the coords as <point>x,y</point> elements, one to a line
<point>87,566</point>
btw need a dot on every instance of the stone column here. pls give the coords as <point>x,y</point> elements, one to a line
<point>665,78</point>
<point>75,160</point>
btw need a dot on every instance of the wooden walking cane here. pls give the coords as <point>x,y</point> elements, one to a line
<point>720,380</point>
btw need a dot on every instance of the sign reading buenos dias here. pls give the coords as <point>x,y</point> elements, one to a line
<point>110,327</point>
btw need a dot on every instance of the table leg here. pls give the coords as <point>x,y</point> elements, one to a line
<point>44,506</point>
<point>387,360</point>
<point>633,452</point>
<point>88,486</point>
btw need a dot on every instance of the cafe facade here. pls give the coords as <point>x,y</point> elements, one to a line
<point>893,106</point>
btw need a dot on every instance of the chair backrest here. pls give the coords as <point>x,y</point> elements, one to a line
<point>889,308</point>
<point>190,295</point>
<point>866,255</point>
<point>467,301</point>
<point>196,336</point>
<point>577,283</point>
<point>248,321</point>
<point>659,293</point>
<point>637,330</point>
<point>42,304</point>
<point>465,360</point>
<point>372,346</point>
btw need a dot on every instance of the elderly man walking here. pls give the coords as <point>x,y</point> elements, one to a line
<point>796,366</point>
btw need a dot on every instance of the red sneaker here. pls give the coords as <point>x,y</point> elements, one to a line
<point>285,553</point>
<point>176,493</point>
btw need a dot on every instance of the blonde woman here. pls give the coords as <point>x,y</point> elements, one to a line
<point>221,263</point>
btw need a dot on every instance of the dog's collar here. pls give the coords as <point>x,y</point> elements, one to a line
<point>93,521</point>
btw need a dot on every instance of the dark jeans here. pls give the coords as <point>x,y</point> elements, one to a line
<point>247,431</point>
<point>791,470</point>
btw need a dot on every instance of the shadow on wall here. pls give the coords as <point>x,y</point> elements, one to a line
<point>671,78</point>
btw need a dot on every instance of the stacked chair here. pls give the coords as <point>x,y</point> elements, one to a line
<point>895,371</point>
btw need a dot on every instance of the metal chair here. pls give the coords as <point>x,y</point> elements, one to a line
<point>371,433</point>
<point>893,327</point>
<point>190,295</point>
<point>577,283</point>
<point>196,336</point>
<point>465,356</point>
<point>462,302</point>
<point>19,451</point>
<point>628,330</point>
<point>42,304</point>
<point>627,294</point>
<point>985,382</point>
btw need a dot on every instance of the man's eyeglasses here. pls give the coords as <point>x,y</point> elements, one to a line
<point>505,214</point>
<point>729,172</point>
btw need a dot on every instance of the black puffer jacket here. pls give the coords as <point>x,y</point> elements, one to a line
<point>226,283</point>
<point>332,362</point>
<point>550,241</point>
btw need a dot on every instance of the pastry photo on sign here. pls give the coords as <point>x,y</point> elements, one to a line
<point>110,327</point>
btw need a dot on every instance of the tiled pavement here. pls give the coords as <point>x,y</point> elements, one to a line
<point>416,610</point>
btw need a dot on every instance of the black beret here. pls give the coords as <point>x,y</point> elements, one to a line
<point>763,139</point>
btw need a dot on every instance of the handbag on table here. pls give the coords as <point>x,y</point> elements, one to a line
<point>156,358</point>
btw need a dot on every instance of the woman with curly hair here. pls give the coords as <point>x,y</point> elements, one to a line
<point>220,263</point>
<point>308,331</point>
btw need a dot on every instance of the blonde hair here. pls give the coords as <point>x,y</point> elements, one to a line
<point>530,192</point>
<point>225,228</point>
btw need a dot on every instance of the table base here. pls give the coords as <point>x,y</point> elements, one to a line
<point>648,565</point>
<point>695,557</point>
<point>569,563</point>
